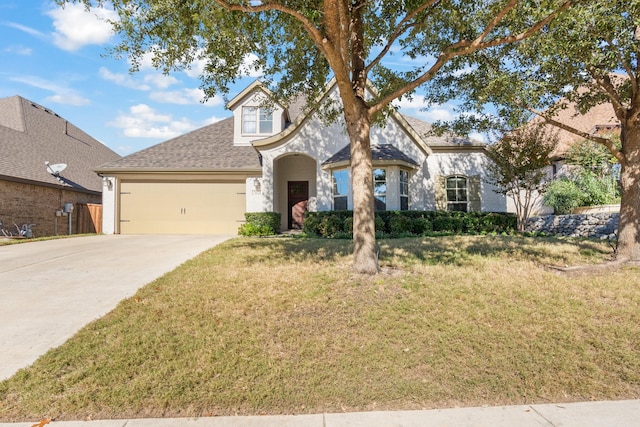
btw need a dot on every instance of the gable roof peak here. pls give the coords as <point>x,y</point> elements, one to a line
<point>255,86</point>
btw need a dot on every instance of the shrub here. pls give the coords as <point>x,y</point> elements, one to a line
<point>339,224</point>
<point>260,224</point>
<point>563,196</point>
<point>330,225</point>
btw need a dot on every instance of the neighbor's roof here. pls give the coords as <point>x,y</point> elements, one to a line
<point>31,135</point>
<point>599,119</point>
<point>209,148</point>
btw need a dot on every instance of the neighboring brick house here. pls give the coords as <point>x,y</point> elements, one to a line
<point>287,160</point>
<point>33,140</point>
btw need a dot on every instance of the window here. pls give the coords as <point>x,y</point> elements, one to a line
<point>340,189</point>
<point>380,189</point>
<point>266,121</point>
<point>404,190</point>
<point>457,197</point>
<point>256,120</point>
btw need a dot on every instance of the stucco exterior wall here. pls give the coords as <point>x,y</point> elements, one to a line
<point>320,141</point>
<point>108,205</point>
<point>22,203</point>
<point>467,164</point>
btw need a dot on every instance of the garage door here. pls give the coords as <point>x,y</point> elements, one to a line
<point>181,207</point>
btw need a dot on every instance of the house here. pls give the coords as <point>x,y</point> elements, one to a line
<point>598,120</point>
<point>285,159</point>
<point>47,164</point>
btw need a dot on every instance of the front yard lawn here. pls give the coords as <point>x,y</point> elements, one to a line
<point>282,326</point>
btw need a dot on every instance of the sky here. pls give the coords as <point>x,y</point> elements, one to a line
<point>58,58</point>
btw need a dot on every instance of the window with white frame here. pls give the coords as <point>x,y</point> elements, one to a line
<point>457,193</point>
<point>380,189</point>
<point>404,190</point>
<point>340,189</point>
<point>257,120</point>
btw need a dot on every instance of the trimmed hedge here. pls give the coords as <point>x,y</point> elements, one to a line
<point>339,224</point>
<point>260,224</point>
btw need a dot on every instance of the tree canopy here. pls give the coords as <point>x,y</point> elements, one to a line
<point>587,57</point>
<point>300,45</point>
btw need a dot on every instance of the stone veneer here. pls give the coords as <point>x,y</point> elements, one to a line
<point>596,225</point>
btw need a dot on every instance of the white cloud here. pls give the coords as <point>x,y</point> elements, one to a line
<point>421,108</point>
<point>248,68</point>
<point>75,27</point>
<point>130,81</point>
<point>68,99</point>
<point>61,94</point>
<point>27,30</point>
<point>477,136</point>
<point>185,97</point>
<point>122,79</point>
<point>161,81</point>
<point>19,50</point>
<point>196,68</point>
<point>143,121</point>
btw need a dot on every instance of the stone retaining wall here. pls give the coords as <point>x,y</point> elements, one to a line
<point>596,225</point>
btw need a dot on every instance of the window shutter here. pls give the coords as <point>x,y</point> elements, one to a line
<point>440,186</point>
<point>475,204</point>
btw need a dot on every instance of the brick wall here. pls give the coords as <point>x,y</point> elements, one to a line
<point>33,204</point>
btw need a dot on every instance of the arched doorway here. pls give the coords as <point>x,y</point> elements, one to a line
<point>295,184</point>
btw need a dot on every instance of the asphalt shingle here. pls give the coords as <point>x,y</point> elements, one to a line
<point>31,135</point>
<point>208,148</point>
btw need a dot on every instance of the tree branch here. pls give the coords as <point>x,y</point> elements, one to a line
<point>625,65</point>
<point>309,27</point>
<point>403,26</point>
<point>463,47</point>
<point>586,135</point>
<point>605,84</point>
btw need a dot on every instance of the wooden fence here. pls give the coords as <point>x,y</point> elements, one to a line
<point>89,218</point>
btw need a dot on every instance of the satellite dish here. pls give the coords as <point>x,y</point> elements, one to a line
<point>55,169</point>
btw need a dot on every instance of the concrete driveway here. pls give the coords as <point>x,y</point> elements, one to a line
<point>51,289</point>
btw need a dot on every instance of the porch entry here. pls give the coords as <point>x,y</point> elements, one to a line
<point>297,203</point>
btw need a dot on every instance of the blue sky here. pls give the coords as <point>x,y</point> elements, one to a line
<point>58,58</point>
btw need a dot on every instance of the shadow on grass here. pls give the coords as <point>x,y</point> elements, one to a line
<point>298,249</point>
<point>458,250</point>
<point>444,250</point>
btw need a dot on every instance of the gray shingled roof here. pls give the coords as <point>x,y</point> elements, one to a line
<point>424,130</point>
<point>378,152</point>
<point>31,135</point>
<point>208,148</point>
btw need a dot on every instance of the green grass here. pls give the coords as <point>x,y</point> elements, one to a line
<point>282,326</point>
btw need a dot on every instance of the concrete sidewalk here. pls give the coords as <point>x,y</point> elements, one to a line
<point>588,414</point>
<point>50,289</point>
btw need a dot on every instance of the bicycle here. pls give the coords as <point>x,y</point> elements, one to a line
<point>25,231</point>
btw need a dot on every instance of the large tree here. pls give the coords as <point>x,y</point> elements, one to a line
<point>585,58</point>
<point>299,45</point>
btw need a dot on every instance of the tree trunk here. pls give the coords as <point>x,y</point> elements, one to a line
<point>628,248</point>
<point>365,259</point>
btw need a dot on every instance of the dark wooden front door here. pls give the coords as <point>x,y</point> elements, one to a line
<point>297,202</point>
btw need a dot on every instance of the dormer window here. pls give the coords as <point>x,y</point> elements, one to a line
<point>257,120</point>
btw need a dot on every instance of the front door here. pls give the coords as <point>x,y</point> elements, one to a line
<point>297,202</point>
